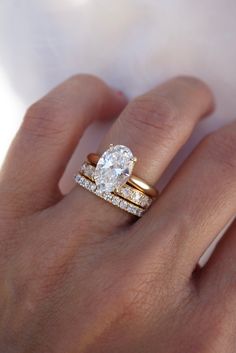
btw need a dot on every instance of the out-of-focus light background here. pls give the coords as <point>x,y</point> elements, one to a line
<point>11,111</point>
<point>132,44</point>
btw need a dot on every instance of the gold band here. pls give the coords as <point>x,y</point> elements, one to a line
<point>135,181</point>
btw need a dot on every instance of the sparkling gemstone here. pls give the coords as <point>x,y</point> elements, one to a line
<point>113,168</point>
<point>93,187</point>
<point>126,192</point>
<point>87,170</point>
<point>115,200</point>
<point>123,204</point>
<point>137,196</point>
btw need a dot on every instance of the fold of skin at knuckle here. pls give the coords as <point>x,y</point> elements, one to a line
<point>52,115</point>
<point>45,119</point>
<point>153,117</point>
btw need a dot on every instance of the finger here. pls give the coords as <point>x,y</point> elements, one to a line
<point>199,201</point>
<point>50,132</point>
<point>154,126</point>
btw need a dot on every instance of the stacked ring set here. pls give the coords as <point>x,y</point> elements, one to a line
<point>109,176</point>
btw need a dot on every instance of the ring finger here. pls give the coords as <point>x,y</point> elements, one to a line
<point>154,126</point>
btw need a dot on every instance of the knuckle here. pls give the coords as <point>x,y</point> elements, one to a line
<point>221,147</point>
<point>158,114</point>
<point>51,115</point>
<point>43,118</point>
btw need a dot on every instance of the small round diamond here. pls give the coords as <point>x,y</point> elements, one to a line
<point>115,200</point>
<point>126,192</point>
<point>123,204</point>
<point>93,187</point>
<point>137,196</point>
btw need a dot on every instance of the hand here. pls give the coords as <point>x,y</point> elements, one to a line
<point>80,275</point>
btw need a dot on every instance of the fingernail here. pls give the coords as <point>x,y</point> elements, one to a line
<point>122,96</point>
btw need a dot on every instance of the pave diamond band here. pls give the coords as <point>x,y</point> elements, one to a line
<point>108,196</point>
<point>110,177</point>
<point>126,191</point>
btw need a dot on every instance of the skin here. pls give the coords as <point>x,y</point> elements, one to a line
<point>80,275</point>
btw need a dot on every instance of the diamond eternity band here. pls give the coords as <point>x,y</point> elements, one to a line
<point>108,196</point>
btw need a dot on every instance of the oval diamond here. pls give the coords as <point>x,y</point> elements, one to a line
<point>114,168</point>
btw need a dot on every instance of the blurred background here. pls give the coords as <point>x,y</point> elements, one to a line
<point>132,44</point>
